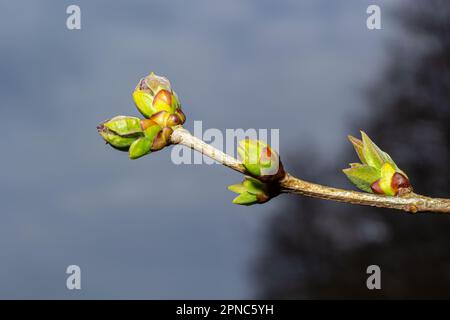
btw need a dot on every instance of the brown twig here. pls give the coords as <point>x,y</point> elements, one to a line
<point>409,202</point>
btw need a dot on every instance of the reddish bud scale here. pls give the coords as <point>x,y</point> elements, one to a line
<point>166,119</point>
<point>399,183</point>
<point>163,96</point>
<point>162,139</point>
<point>376,187</point>
<point>181,115</point>
<point>173,120</point>
<point>146,123</point>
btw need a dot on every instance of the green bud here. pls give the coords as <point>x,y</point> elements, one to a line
<point>260,160</point>
<point>154,94</point>
<point>121,131</point>
<point>124,126</point>
<point>378,173</point>
<point>161,106</point>
<point>118,142</point>
<point>251,191</point>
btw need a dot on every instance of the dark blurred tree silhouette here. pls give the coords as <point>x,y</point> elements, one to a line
<point>318,249</point>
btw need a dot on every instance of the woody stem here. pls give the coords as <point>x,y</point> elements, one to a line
<point>409,202</point>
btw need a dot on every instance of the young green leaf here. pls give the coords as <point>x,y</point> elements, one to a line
<point>237,188</point>
<point>140,148</point>
<point>245,199</point>
<point>362,176</point>
<point>358,145</point>
<point>372,154</point>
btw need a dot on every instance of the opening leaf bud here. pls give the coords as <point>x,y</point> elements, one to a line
<point>377,173</point>
<point>161,107</point>
<point>251,191</point>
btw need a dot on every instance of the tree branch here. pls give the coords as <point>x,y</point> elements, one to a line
<point>409,202</point>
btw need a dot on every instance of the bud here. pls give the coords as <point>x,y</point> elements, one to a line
<point>123,125</point>
<point>377,173</point>
<point>121,131</point>
<point>156,100</point>
<point>260,160</point>
<point>118,142</point>
<point>154,94</point>
<point>251,191</point>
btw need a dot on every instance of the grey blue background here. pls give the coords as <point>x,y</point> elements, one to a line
<point>149,228</point>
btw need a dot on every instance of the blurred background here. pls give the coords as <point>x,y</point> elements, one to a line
<point>149,229</point>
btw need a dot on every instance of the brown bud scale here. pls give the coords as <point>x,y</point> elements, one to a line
<point>146,123</point>
<point>399,181</point>
<point>376,187</point>
<point>164,96</point>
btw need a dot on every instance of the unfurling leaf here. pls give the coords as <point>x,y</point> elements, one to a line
<point>377,173</point>
<point>362,176</point>
<point>246,199</point>
<point>251,191</point>
<point>372,154</point>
